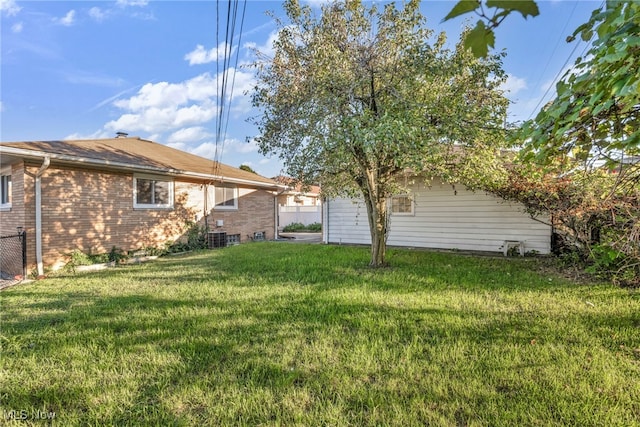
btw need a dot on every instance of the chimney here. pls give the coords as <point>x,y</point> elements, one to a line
<point>121,134</point>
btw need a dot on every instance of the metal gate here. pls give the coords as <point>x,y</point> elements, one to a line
<point>13,257</point>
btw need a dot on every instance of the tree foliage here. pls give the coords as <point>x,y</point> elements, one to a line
<point>491,14</point>
<point>594,222</point>
<point>358,95</point>
<point>581,154</point>
<point>247,168</point>
<point>596,112</point>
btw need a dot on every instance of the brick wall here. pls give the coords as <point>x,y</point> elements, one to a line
<point>256,212</point>
<point>92,212</point>
<point>15,216</point>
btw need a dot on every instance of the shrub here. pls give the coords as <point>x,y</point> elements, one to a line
<point>293,227</point>
<point>116,255</point>
<point>195,238</point>
<point>316,226</point>
<point>299,227</point>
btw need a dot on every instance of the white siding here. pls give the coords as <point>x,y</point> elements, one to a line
<point>445,217</point>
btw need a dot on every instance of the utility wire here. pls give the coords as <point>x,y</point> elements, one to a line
<point>557,76</point>
<point>223,91</point>
<point>546,66</point>
<point>235,68</point>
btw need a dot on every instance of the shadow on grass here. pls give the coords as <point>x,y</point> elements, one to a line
<point>165,340</point>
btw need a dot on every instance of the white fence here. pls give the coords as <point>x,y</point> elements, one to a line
<point>301,214</point>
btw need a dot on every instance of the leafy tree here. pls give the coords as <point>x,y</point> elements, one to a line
<point>247,168</point>
<point>596,113</point>
<point>581,156</point>
<point>595,119</point>
<point>357,96</point>
<point>481,37</point>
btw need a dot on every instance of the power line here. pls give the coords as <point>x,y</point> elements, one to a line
<point>223,91</point>
<point>555,79</point>
<point>566,24</point>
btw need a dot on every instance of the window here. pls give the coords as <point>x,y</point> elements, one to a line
<point>402,205</point>
<point>152,193</point>
<point>226,198</point>
<point>5,190</point>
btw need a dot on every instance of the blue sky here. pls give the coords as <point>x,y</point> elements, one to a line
<point>85,69</point>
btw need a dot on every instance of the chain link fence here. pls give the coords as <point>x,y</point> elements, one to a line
<point>13,258</point>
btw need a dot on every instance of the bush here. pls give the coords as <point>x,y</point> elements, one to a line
<point>78,258</point>
<point>299,227</point>
<point>196,238</point>
<point>316,226</point>
<point>293,227</point>
<point>116,255</point>
<point>595,214</point>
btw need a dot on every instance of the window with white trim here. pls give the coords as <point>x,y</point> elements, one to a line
<point>5,189</point>
<point>226,197</point>
<point>152,192</point>
<point>402,205</point>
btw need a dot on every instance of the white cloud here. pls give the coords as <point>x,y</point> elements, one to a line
<point>9,7</point>
<point>202,56</point>
<point>183,109</point>
<point>17,27</point>
<point>164,94</point>
<point>243,85</point>
<point>91,78</point>
<point>177,145</point>
<point>317,3</point>
<point>233,145</point>
<point>125,3</point>
<point>195,133</point>
<point>206,150</point>
<point>195,114</point>
<point>164,119</point>
<point>100,134</point>
<point>66,20</point>
<point>514,84</point>
<point>98,14</point>
<point>266,49</point>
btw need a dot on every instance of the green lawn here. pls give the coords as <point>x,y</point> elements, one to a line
<point>293,334</point>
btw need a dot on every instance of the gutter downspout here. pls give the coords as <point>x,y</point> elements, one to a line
<point>45,165</point>
<point>276,215</point>
<point>325,221</point>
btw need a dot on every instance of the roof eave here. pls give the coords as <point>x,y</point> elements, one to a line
<point>111,165</point>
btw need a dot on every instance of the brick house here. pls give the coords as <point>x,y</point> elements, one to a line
<point>127,192</point>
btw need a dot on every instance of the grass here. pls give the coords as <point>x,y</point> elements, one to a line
<point>280,334</point>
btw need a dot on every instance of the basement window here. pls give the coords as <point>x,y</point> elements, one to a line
<point>152,193</point>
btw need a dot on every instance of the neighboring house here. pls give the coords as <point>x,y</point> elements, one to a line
<point>297,206</point>
<point>441,216</point>
<point>92,195</point>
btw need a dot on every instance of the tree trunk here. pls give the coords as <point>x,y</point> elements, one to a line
<point>376,203</point>
<point>378,241</point>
